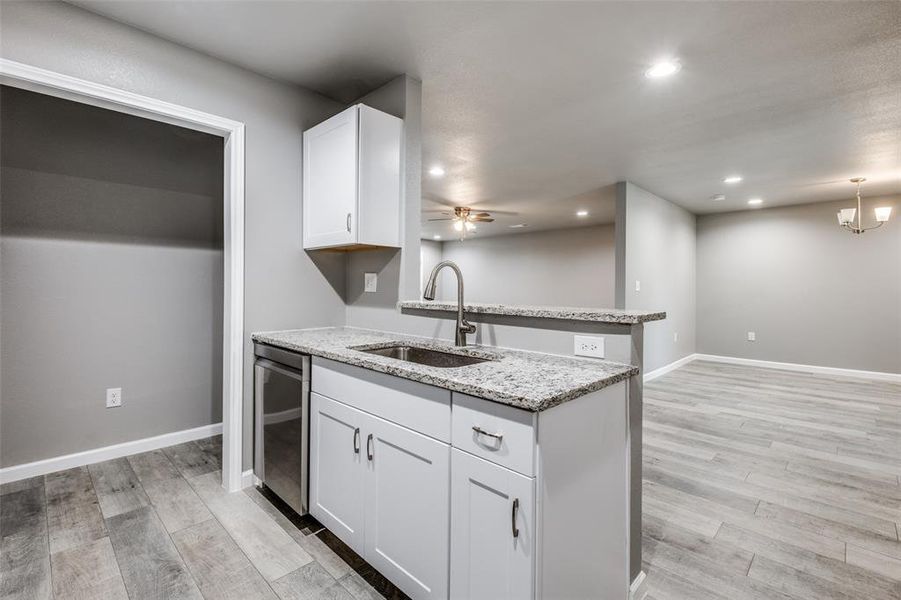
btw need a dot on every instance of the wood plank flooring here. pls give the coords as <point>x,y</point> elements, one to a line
<point>770,484</point>
<point>159,525</point>
<point>759,484</point>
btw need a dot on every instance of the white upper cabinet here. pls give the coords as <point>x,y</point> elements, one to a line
<point>352,180</point>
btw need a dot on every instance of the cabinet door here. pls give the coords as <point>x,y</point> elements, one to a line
<point>337,469</point>
<point>330,181</point>
<point>407,494</point>
<point>492,531</point>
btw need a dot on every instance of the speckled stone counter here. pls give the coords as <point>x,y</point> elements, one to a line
<point>561,313</point>
<point>527,380</point>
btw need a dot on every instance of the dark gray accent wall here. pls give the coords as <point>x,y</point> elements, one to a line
<point>812,292</point>
<point>284,288</point>
<point>110,258</point>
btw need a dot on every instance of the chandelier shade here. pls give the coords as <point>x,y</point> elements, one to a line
<point>846,215</point>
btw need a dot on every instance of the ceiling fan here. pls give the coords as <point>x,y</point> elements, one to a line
<point>465,219</point>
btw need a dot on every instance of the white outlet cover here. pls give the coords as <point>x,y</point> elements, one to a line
<point>113,397</point>
<point>637,285</point>
<point>675,336</point>
<point>588,345</point>
<point>370,282</point>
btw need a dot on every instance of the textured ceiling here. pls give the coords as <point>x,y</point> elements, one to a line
<point>528,104</point>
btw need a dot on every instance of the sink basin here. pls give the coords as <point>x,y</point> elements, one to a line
<point>426,356</point>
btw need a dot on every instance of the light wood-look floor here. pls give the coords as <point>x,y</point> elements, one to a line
<point>159,525</point>
<point>771,484</point>
<point>758,484</point>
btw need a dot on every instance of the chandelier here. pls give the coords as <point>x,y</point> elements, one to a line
<point>846,215</point>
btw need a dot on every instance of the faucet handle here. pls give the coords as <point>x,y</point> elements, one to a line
<point>467,327</point>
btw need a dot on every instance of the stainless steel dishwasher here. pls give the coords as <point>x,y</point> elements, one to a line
<point>281,392</point>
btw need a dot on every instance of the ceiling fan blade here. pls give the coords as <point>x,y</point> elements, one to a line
<point>482,214</point>
<point>448,219</point>
<point>497,212</point>
<point>482,219</point>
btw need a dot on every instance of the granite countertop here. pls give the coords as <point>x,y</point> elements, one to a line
<point>563,313</point>
<point>528,380</point>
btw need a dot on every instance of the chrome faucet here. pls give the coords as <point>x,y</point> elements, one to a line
<point>463,327</point>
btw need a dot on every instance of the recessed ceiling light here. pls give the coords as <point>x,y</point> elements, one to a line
<point>582,213</point>
<point>718,197</point>
<point>436,237</point>
<point>755,201</point>
<point>664,68</point>
<point>732,179</point>
<point>437,171</point>
<point>518,226</point>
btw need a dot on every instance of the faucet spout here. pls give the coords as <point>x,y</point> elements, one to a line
<point>463,327</point>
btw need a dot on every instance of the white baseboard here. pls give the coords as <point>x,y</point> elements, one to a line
<point>650,376</point>
<point>639,588</point>
<point>88,457</point>
<point>751,362</point>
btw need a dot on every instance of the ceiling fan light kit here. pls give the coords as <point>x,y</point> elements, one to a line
<point>465,220</point>
<point>846,215</point>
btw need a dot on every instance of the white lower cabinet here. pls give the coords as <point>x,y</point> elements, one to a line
<point>445,494</point>
<point>407,490</point>
<point>383,490</point>
<point>492,531</point>
<point>336,469</point>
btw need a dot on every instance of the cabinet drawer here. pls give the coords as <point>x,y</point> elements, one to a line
<point>417,406</point>
<point>475,423</point>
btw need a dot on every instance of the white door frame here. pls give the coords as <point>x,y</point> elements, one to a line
<point>24,76</point>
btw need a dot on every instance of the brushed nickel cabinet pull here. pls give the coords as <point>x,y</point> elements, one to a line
<point>357,440</point>
<point>480,431</point>
<point>348,222</point>
<point>513,518</point>
<point>369,446</point>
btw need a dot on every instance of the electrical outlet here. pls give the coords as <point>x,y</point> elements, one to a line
<point>588,345</point>
<point>752,336</point>
<point>370,282</point>
<point>113,397</point>
<point>637,286</point>
<point>675,336</point>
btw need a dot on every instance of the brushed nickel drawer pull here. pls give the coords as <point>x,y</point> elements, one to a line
<point>480,431</point>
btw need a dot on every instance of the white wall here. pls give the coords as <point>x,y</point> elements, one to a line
<point>285,287</point>
<point>561,267</point>
<point>656,246</point>
<point>812,292</point>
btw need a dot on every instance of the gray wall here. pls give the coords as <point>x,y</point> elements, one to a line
<point>813,293</point>
<point>656,246</point>
<point>562,267</point>
<point>110,256</point>
<point>284,287</point>
<point>398,270</point>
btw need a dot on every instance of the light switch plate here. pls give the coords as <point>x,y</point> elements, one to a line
<point>588,345</point>
<point>370,282</point>
<point>637,285</point>
<point>752,336</point>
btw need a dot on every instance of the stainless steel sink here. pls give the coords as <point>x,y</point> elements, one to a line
<point>426,356</point>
